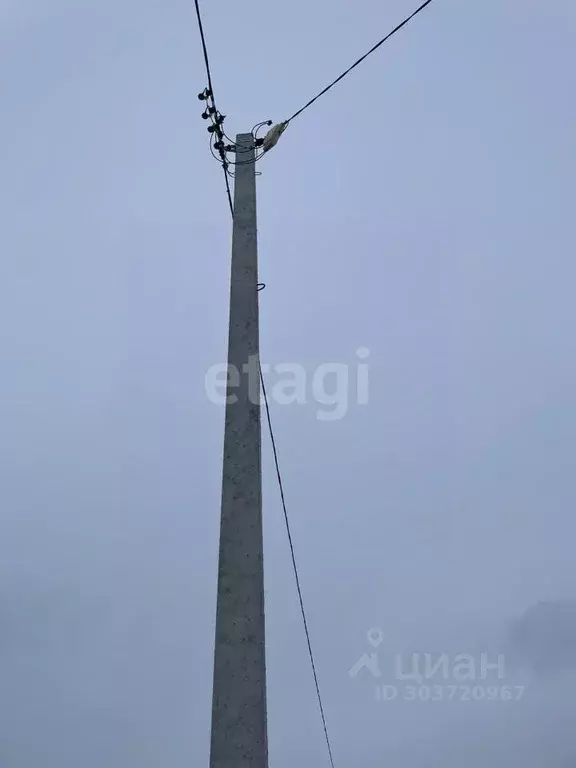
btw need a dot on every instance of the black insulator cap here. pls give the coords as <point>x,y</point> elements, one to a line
<point>211,129</point>
<point>202,96</point>
<point>205,115</point>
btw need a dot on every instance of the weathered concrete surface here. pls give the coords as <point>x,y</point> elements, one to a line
<point>239,732</point>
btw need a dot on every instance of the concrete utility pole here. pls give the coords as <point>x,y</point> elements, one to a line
<point>239,729</point>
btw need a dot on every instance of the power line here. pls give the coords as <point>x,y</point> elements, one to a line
<point>204,48</point>
<point>292,553</point>
<point>360,60</point>
<point>211,91</point>
<point>295,567</point>
<point>227,180</point>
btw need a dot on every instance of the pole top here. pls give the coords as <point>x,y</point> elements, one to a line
<point>245,139</point>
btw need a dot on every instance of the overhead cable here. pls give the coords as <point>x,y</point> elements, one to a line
<point>295,568</point>
<point>260,287</point>
<point>211,111</point>
<point>360,60</point>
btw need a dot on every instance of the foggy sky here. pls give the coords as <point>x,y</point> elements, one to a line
<point>422,210</point>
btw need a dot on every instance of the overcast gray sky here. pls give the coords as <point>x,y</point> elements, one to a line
<point>423,209</point>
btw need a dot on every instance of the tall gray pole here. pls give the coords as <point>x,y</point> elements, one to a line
<point>239,731</point>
